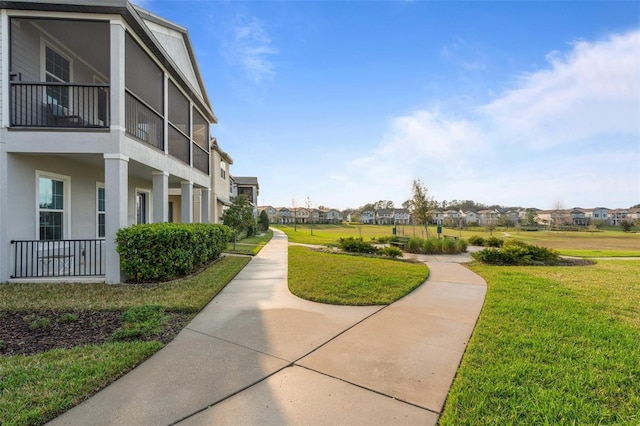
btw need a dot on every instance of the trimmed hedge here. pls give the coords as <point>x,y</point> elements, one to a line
<point>159,252</point>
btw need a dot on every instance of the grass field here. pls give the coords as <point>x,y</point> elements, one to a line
<point>574,243</point>
<point>553,345</point>
<point>250,246</point>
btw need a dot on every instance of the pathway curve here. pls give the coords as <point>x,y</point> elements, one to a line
<point>259,355</point>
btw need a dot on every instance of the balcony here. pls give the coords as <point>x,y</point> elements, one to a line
<point>59,105</point>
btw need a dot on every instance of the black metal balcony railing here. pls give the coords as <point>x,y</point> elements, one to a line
<point>178,145</point>
<point>142,122</point>
<point>63,258</point>
<point>67,105</point>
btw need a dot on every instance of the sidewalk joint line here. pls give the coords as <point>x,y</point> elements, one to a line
<point>230,395</point>
<point>369,389</point>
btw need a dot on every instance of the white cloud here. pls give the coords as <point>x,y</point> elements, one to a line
<point>250,47</point>
<point>569,132</point>
<point>594,89</point>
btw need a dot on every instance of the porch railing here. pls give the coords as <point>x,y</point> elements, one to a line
<point>200,158</point>
<point>62,258</point>
<point>142,122</point>
<point>37,104</point>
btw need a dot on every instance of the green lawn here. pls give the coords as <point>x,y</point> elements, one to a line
<point>37,388</point>
<point>351,280</point>
<point>250,246</point>
<point>553,345</point>
<point>607,243</point>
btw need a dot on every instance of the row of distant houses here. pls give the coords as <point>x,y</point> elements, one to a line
<point>486,217</point>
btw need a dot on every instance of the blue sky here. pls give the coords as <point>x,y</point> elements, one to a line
<point>516,103</point>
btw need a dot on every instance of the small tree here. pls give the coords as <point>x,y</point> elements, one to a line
<point>239,216</point>
<point>422,204</point>
<point>263,220</point>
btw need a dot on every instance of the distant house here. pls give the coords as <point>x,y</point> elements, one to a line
<point>368,217</point>
<point>470,217</point>
<point>402,216</point>
<point>597,214</point>
<point>333,216</point>
<point>285,216</point>
<point>617,216</point>
<point>271,212</point>
<point>303,215</point>
<point>384,216</point>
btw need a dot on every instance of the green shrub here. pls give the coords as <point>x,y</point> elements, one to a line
<point>493,242</point>
<point>385,239</point>
<point>517,253</point>
<point>357,245</point>
<point>461,245</point>
<point>414,245</point>
<point>436,246</point>
<point>391,251</point>
<point>476,240</point>
<point>164,251</point>
<point>448,246</point>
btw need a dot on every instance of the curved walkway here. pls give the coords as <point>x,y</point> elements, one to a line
<point>259,355</point>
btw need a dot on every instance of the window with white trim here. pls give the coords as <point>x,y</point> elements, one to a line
<point>100,211</point>
<point>52,206</point>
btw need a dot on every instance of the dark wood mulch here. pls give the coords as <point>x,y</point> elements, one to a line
<point>29,333</point>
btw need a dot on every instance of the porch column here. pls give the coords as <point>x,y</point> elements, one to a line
<point>160,197</point>
<point>116,182</point>
<point>186,199</point>
<point>117,80</point>
<point>205,205</point>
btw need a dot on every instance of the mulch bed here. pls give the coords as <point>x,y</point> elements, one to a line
<point>28,333</point>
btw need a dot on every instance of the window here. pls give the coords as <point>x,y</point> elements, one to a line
<point>52,206</point>
<point>223,170</point>
<point>57,70</point>
<point>101,211</point>
<point>142,207</point>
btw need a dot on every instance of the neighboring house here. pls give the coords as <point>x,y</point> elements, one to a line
<point>302,215</point>
<point>272,213</point>
<point>470,217</point>
<point>247,186</point>
<point>578,217</point>
<point>368,217</point>
<point>285,215</point>
<point>221,163</point>
<point>401,216</point>
<point>103,111</point>
<point>437,216</point>
<point>333,216</point>
<point>597,214</point>
<point>488,217</point>
<point>384,216</point>
<point>617,216</point>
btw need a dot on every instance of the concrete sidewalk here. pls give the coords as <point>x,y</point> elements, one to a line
<point>259,355</point>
